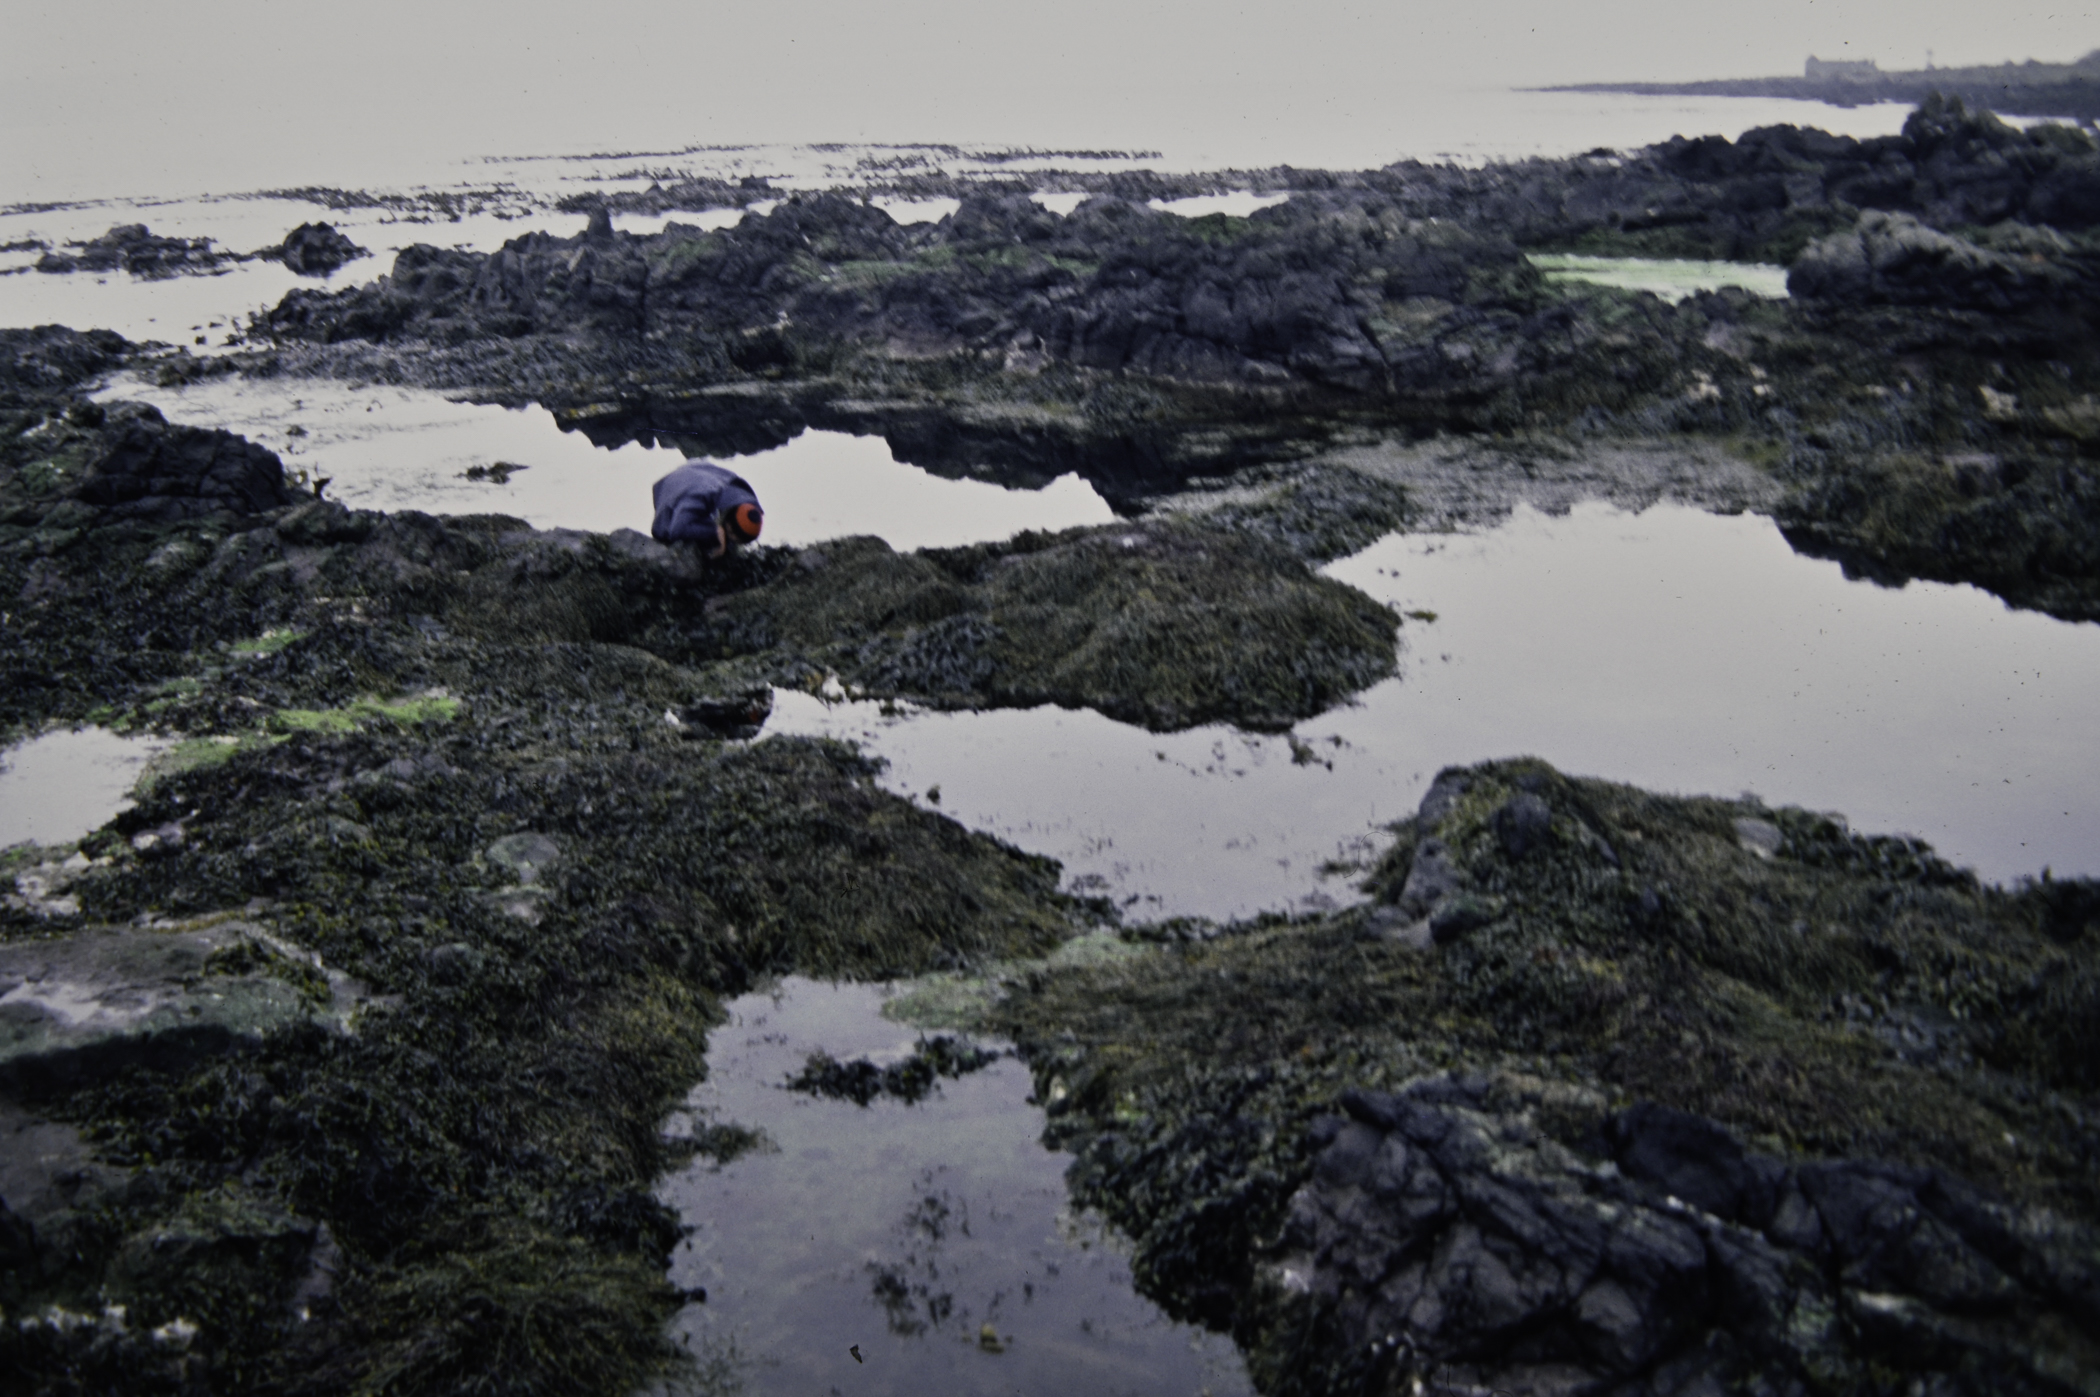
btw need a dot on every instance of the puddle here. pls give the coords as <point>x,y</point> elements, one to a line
<point>393,448</point>
<point>58,787</point>
<point>1671,280</point>
<point>917,210</point>
<point>1061,204</point>
<point>1673,649</point>
<point>1237,204</point>
<point>903,1230</point>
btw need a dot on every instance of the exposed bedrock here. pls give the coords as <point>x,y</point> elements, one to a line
<point>1893,259</point>
<point>1451,1240</point>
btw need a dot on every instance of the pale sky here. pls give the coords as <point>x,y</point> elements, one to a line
<point>124,91</point>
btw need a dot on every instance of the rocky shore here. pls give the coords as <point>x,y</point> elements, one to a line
<point>1602,1092</point>
<point>1608,1092</point>
<point>2066,91</point>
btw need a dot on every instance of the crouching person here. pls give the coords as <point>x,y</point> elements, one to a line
<point>702,504</point>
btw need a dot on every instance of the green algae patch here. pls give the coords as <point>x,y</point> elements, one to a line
<point>198,753</point>
<point>1824,995</point>
<point>269,642</point>
<point>408,712</point>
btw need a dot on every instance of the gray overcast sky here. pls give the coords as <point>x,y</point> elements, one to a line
<point>122,90</point>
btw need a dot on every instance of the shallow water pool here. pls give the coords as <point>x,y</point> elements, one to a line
<point>402,448</point>
<point>1672,279</point>
<point>903,1230</point>
<point>58,787</point>
<point>1673,649</point>
<point>1237,204</point>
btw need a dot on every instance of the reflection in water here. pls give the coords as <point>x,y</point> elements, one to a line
<point>58,787</point>
<point>935,1238</point>
<point>1674,649</point>
<point>403,448</point>
<point>1673,280</point>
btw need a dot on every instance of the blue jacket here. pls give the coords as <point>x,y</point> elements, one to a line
<point>690,499</point>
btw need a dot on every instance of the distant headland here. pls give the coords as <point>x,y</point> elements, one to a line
<point>2014,89</point>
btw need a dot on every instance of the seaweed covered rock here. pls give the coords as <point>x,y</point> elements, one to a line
<point>1767,193</point>
<point>548,888</point>
<point>1334,292</point>
<point>38,367</point>
<point>78,1009</point>
<point>1680,1092</point>
<point>1162,623</point>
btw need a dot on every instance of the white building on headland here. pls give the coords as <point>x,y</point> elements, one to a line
<point>1843,69</point>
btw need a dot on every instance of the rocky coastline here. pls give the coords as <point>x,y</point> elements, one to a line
<point>1602,1091</point>
<point>2060,90</point>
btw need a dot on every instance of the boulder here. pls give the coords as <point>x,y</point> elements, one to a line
<point>79,1009</point>
<point>316,249</point>
<point>157,472</point>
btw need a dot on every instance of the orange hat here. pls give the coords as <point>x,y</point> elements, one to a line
<point>747,520</point>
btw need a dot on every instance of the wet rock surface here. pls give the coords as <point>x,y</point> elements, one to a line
<point>82,1008</point>
<point>1457,1242</point>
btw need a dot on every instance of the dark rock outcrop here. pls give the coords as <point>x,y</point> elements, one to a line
<point>1684,1111</point>
<point>1893,259</point>
<point>133,248</point>
<point>1453,1241</point>
<point>1307,292</point>
<point>316,249</point>
<point>1764,195</point>
<point>153,470</point>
